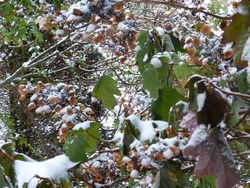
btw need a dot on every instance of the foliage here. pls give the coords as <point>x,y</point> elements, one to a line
<point>107,93</point>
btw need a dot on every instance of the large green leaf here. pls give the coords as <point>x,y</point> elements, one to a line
<point>74,148</point>
<point>235,29</point>
<point>105,90</point>
<point>7,8</point>
<point>92,136</point>
<point>151,82</point>
<point>168,97</point>
<point>81,142</point>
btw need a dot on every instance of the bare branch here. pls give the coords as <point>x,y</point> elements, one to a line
<point>172,4</point>
<point>34,62</point>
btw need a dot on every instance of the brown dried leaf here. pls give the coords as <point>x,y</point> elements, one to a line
<point>116,156</point>
<point>196,42</point>
<point>223,24</point>
<point>20,88</point>
<point>31,106</point>
<point>58,108</point>
<point>53,99</point>
<point>205,29</point>
<point>77,11</point>
<point>22,98</point>
<point>73,101</point>
<point>119,6</point>
<point>70,111</point>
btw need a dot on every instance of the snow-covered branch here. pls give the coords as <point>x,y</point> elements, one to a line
<point>34,62</point>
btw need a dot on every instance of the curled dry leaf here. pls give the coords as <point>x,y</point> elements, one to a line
<point>58,108</point>
<point>205,29</point>
<point>31,106</point>
<point>52,99</point>
<point>22,98</point>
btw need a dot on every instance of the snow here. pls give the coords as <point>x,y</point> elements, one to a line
<point>91,28</point>
<point>134,174</point>
<point>248,72</point>
<point>43,109</point>
<point>201,97</point>
<point>96,164</point>
<point>156,62</point>
<point>168,154</point>
<point>243,9</point>
<point>246,51</point>
<point>126,159</point>
<point>147,180</point>
<point>59,32</point>
<point>145,162</point>
<point>33,97</point>
<point>146,128</point>
<point>118,138</point>
<point>85,125</point>
<point>122,27</point>
<point>53,169</point>
<point>145,58</point>
<point>160,30</point>
<point>69,117</point>
<point>200,134</point>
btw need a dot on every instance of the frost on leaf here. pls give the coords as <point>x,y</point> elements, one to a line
<point>214,158</point>
<point>189,121</point>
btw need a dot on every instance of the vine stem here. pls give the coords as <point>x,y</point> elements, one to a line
<point>230,92</point>
<point>6,155</point>
<point>170,3</point>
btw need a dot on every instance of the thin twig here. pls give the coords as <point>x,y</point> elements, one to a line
<point>33,63</point>
<point>170,3</point>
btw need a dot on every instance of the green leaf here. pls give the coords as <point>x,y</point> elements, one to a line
<point>182,71</point>
<point>105,90</point>
<point>146,50</point>
<point>57,4</point>
<point>2,181</point>
<point>242,82</point>
<point>239,46</point>
<point>26,3</point>
<point>167,43</point>
<point>74,148</point>
<point>22,32</point>
<point>7,8</point>
<point>151,82</point>
<point>170,177</point>
<point>177,44</point>
<point>168,97</point>
<point>208,181</point>
<point>91,135</point>
<point>143,37</point>
<point>236,28</point>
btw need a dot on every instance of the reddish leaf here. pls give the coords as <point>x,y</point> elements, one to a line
<point>189,121</point>
<point>215,159</point>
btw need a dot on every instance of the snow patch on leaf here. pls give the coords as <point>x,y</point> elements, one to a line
<point>53,169</point>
